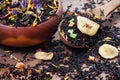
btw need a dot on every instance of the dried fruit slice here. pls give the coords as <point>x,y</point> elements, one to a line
<point>87,26</point>
<point>108,51</point>
<point>43,55</point>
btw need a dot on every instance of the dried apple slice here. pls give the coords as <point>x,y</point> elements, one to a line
<point>43,55</point>
<point>108,51</point>
<point>87,26</point>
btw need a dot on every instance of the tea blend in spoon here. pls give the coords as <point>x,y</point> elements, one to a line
<point>75,32</point>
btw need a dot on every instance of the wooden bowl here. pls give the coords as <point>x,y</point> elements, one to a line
<point>30,35</point>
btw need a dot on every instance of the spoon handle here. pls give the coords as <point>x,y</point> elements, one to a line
<point>103,11</point>
<point>111,6</point>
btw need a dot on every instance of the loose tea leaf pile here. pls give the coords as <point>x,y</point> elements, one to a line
<point>67,63</point>
<point>26,12</point>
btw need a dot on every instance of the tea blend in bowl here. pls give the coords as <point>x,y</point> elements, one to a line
<point>26,12</point>
<point>74,31</point>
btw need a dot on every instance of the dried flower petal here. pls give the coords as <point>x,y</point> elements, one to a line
<point>91,58</point>
<point>14,2</point>
<point>29,72</point>
<point>19,65</point>
<point>71,24</point>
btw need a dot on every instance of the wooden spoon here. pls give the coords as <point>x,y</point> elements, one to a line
<point>100,12</point>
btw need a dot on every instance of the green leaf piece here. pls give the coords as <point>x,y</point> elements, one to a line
<point>72,20</point>
<point>72,35</point>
